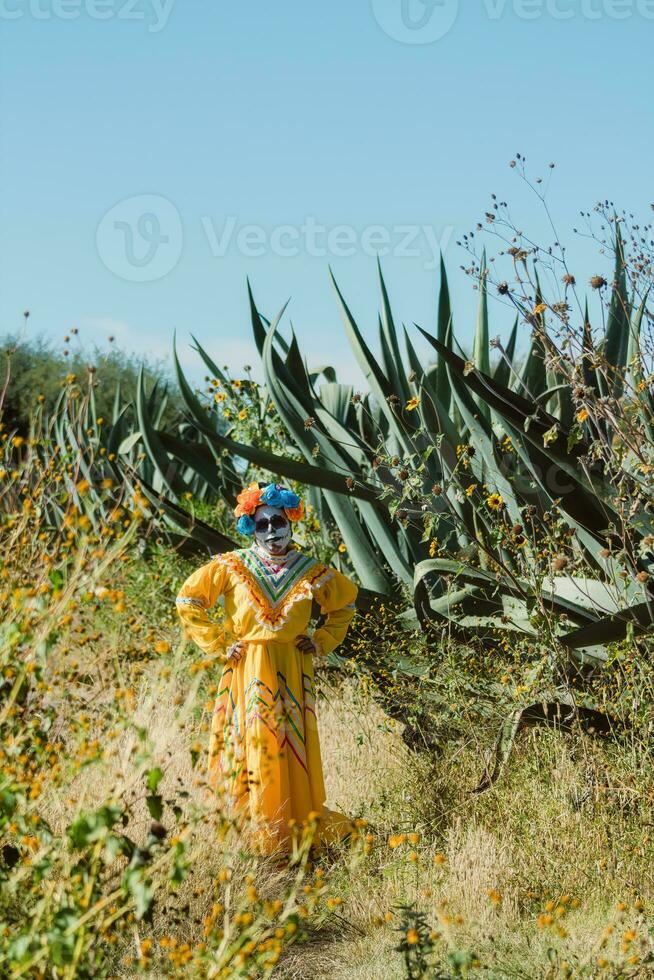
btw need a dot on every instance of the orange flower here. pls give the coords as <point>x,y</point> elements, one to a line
<point>295,513</point>
<point>248,500</point>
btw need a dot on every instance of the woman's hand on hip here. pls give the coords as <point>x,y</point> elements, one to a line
<point>235,652</point>
<point>306,644</point>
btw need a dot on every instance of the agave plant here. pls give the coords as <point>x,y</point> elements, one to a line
<point>339,435</point>
<point>460,425</point>
<point>352,453</point>
<point>560,456</point>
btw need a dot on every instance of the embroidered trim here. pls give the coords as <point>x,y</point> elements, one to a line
<point>272,605</point>
<point>281,713</point>
<point>182,600</point>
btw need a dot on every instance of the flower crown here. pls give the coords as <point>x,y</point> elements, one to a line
<point>274,495</point>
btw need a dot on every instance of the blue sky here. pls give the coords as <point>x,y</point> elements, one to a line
<point>154,158</point>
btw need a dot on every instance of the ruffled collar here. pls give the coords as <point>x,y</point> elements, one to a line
<point>276,561</point>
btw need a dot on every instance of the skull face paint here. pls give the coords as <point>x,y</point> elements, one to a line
<point>272,529</point>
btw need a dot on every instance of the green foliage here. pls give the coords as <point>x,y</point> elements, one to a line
<point>34,373</point>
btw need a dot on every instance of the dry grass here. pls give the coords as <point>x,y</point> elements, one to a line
<point>503,855</point>
<point>564,833</point>
<point>546,833</point>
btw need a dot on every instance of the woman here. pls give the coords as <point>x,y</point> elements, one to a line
<point>264,752</point>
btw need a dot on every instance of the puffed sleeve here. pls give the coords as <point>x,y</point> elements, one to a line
<point>197,595</point>
<point>336,598</point>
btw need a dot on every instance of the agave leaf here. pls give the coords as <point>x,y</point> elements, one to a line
<point>612,628</point>
<point>197,457</point>
<point>484,442</point>
<point>116,407</point>
<point>481,345</point>
<point>211,364</point>
<point>395,368</point>
<point>503,373</point>
<point>129,442</point>
<point>290,468</point>
<point>296,372</point>
<point>162,463</point>
<point>617,324</point>
<point>444,326</point>
<point>635,368</point>
<point>554,714</point>
<point>115,432</point>
<point>260,325</point>
<point>337,400</point>
<point>214,541</point>
<point>567,597</point>
<point>534,375</point>
<point>379,384</point>
<point>589,506</point>
<point>634,363</point>
<point>92,415</point>
<point>439,410</point>
<point>327,372</point>
<point>366,563</point>
<point>590,373</point>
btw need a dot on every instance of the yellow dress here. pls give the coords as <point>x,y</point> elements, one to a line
<point>264,750</point>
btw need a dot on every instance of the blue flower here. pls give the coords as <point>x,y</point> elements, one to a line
<point>289,499</point>
<point>245,525</point>
<point>273,495</point>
